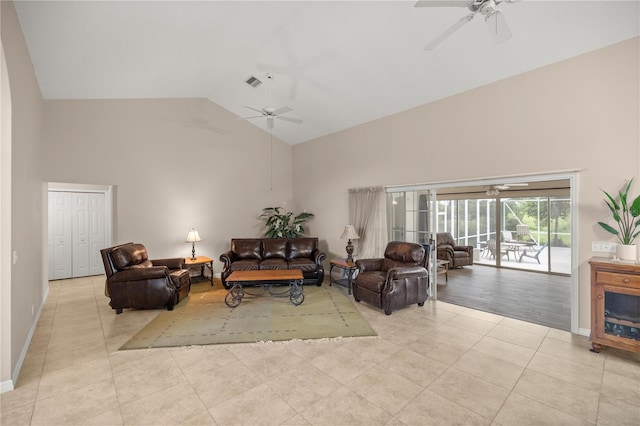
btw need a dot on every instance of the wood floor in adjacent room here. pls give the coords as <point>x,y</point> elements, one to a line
<point>528,296</point>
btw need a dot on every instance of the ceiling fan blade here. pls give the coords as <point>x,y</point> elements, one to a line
<point>249,118</point>
<point>283,110</point>
<point>289,119</point>
<point>443,3</point>
<point>452,29</point>
<point>498,27</point>
<point>254,109</point>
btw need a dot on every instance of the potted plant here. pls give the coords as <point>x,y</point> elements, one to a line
<point>282,225</point>
<point>625,214</point>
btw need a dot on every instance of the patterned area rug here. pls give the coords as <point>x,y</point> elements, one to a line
<point>204,319</point>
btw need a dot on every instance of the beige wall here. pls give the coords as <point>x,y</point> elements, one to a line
<point>174,164</point>
<point>581,113</point>
<point>27,285</point>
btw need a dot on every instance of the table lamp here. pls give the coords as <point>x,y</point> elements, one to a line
<point>349,234</point>
<point>193,237</point>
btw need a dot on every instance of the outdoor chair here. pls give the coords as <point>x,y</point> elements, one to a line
<point>493,248</point>
<point>533,253</point>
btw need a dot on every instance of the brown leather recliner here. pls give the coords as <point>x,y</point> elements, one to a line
<point>134,281</point>
<point>458,256</point>
<point>397,280</point>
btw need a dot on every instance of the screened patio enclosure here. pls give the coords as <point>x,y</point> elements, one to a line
<point>526,226</point>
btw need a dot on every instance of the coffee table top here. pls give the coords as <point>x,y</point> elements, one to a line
<point>266,275</point>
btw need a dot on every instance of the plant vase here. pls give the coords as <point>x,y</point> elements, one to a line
<point>627,252</point>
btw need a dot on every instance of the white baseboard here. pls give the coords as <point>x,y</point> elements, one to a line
<point>25,348</point>
<point>584,332</point>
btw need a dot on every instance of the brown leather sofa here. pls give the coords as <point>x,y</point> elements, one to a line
<point>394,281</point>
<point>248,254</point>
<point>134,281</point>
<point>458,256</point>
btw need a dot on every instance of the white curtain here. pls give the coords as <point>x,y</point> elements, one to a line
<point>368,215</point>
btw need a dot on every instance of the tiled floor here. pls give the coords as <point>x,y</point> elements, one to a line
<point>439,364</point>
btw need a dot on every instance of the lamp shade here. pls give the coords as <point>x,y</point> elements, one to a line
<point>193,236</point>
<point>349,233</point>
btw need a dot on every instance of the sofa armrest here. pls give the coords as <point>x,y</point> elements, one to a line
<point>365,265</point>
<point>227,258</point>
<point>171,263</point>
<point>318,257</point>
<point>139,274</point>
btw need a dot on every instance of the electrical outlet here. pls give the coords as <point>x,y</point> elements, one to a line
<point>604,247</point>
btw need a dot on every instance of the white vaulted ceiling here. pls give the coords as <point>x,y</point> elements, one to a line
<point>337,64</point>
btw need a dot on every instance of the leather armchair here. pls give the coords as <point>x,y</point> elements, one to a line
<point>397,280</point>
<point>134,281</point>
<point>458,256</point>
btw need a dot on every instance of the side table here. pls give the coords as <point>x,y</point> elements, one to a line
<point>443,268</point>
<point>203,262</point>
<point>343,265</point>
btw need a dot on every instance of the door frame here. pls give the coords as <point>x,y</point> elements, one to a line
<point>107,190</point>
<point>571,175</point>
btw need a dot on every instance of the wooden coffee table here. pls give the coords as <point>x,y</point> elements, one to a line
<point>267,280</point>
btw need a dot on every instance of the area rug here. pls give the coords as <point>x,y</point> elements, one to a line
<point>204,319</point>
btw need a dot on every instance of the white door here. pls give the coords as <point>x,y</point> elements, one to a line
<point>61,224</point>
<point>97,232</point>
<point>80,233</point>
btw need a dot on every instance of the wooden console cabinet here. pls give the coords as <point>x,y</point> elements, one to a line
<point>615,305</point>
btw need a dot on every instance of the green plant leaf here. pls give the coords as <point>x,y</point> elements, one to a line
<point>635,207</point>
<point>608,228</point>
<point>614,204</point>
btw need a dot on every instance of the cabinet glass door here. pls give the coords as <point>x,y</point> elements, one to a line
<point>622,315</point>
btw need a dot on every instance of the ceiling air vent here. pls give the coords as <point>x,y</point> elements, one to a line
<point>253,82</point>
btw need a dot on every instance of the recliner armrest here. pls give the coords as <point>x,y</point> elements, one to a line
<point>227,258</point>
<point>365,265</point>
<point>468,249</point>
<point>400,272</point>
<point>171,263</point>
<point>139,274</point>
<point>318,257</point>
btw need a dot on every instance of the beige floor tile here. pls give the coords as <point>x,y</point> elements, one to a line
<point>620,391</point>
<point>107,418</point>
<point>484,316</point>
<point>622,362</point>
<point>568,371</point>
<point>444,306</point>
<point>303,385</point>
<point>73,377</point>
<point>571,352</point>
<point>374,350</point>
<point>16,415</point>
<point>270,365</point>
<point>415,367</point>
<point>566,397</point>
<point>196,359</point>
<point>258,406</point>
<point>76,406</point>
<point>477,395</point>
<point>296,420</point>
<point>311,348</point>
<point>56,360</point>
<point>148,379</point>
<point>487,367</point>
<point>438,350</point>
<point>517,337</point>
<point>385,389</point>
<point>171,406</point>
<point>504,350</point>
<point>525,326</point>
<point>563,335</point>
<point>345,407</point>
<point>467,322</point>
<point>456,336</point>
<point>615,412</point>
<point>522,411</point>
<point>429,408</point>
<point>214,386</point>
<point>342,364</point>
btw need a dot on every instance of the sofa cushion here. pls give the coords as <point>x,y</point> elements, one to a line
<point>146,264</point>
<point>274,263</point>
<point>390,263</point>
<point>301,247</point>
<point>246,249</point>
<point>245,265</point>
<point>372,281</point>
<point>305,265</point>
<point>128,255</point>
<point>274,248</point>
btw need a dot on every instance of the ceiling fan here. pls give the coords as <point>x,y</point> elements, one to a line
<point>494,190</point>
<point>490,9</point>
<point>272,113</point>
